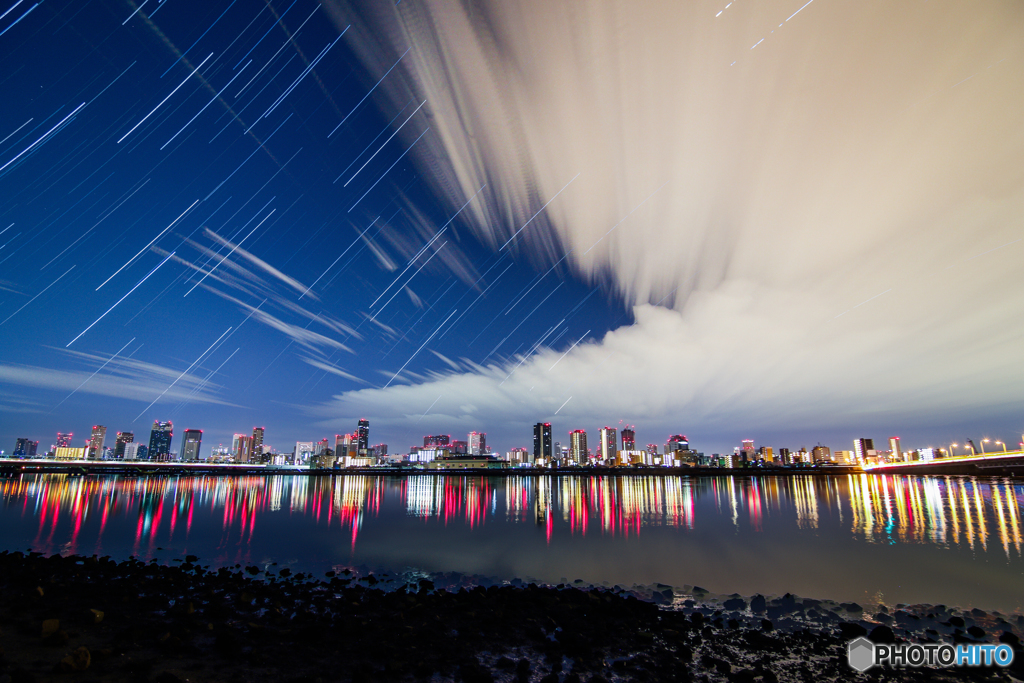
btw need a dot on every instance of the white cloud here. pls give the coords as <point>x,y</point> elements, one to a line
<point>834,216</point>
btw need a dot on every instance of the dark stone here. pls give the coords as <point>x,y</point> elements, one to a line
<point>849,630</point>
<point>733,624</point>
<point>758,604</point>
<point>884,618</point>
<point>882,634</point>
<point>976,631</point>
<point>1009,638</point>
<point>955,621</point>
<point>735,604</point>
<point>767,625</point>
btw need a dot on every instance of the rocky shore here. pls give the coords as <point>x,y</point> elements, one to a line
<point>94,619</point>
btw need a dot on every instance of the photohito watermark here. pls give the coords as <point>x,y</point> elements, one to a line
<point>862,654</point>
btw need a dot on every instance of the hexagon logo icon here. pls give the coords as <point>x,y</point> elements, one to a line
<point>860,653</point>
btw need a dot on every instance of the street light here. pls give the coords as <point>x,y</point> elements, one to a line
<point>1002,444</point>
<point>951,447</point>
<point>970,444</point>
<point>983,442</point>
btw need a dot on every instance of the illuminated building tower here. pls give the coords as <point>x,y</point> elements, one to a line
<point>747,451</point>
<point>190,444</point>
<point>460,447</point>
<point>255,446</point>
<point>363,434</point>
<point>99,434</point>
<point>436,440</point>
<point>160,440</point>
<point>578,446</point>
<point>135,451</point>
<point>784,456</point>
<point>894,446</point>
<point>542,442</point>
<point>861,448</point>
<point>677,442</point>
<point>25,448</point>
<point>339,442</point>
<point>477,443</point>
<point>609,439</point>
<point>240,448</point>
<point>64,440</point>
<point>652,449</point>
<point>628,439</point>
<point>321,446</point>
<point>820,452</point>
<point>119,444</point>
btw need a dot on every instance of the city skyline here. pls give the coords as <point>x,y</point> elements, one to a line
<point>788,221</point>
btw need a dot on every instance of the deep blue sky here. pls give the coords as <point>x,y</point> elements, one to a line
<point>81,204</point>
<point>784,215</point>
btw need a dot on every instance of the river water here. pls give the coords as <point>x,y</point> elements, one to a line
<point>868,538</point>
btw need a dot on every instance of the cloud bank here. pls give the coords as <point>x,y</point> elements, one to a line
<point>829,200</point>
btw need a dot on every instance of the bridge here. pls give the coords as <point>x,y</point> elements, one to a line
<point>1008,463</point>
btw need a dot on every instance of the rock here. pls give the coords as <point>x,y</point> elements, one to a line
<point>97,616</point>
<point>884,618</point>
<point>758,604</point>
<point>882,634</point>
<point>851,607</point>
<point>955,621</point>
<point>79,660</point>
<point>1009,638</point>
<point>976,631</point>
<point>735,604</point>
<point>849,630</point>
<point>767,625</point>
<point>166,677</point>
<point>50,627</point>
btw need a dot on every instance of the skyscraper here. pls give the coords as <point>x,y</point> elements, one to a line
<point>190,444</point>
<point>578,446</point>
<point>255,452</point>
<point>99,434</point>
<point>609,440</point>
<point>25,448</point>
<point>894,446</point>
<point>160,440</point>
<point>436,440</point>
<point>861,448</point>
<point>628,438</point>
<point>363,433</point>
<point>477,443</point>
<point>64,440</point>
<point>542,442</point>
<point>240,448</point>
<point>119,444</point>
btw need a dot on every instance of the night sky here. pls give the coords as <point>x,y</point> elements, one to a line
<point>781,221</point>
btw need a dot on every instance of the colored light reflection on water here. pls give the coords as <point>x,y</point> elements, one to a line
<point>954,540</point>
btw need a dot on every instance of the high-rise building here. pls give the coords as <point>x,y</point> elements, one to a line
<point>99,434</point>
<point>861,448</point>
<point>677,442</point>
<point>894,446</point>
<point>542,442</point>
<point>820,452</point>
<point>303,452</point>
<point>363,434</point>
<point>135,451</point>
<point>160,440</point>
<point>119,444</point>
<point>460,447</point>
<point>255,446</point>
<point>63,440</point>
<point>190,444</point>
<point>652,449</point>
<point>609,440</point>
<point>578,446</point>
<point>785,457</point>
<point>25,448</point>
<point>628,439</point>
<point>240,448</point>
<point>436,440</point>
<point>477,443</point>
<point>321,446</point>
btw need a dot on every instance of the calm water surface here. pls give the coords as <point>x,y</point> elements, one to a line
<point>954,540</point>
